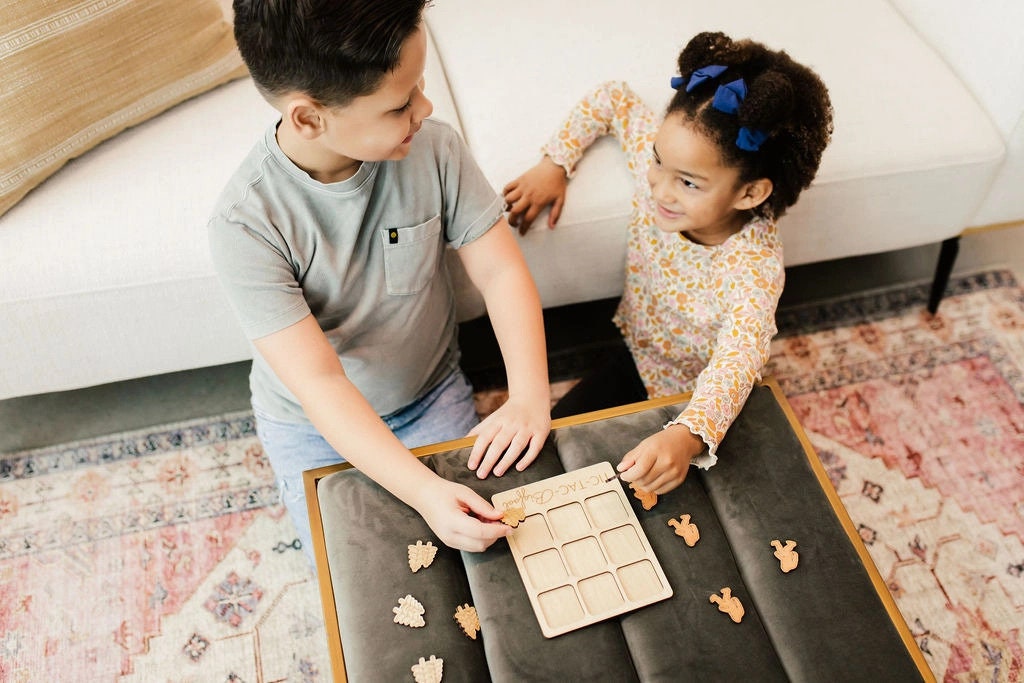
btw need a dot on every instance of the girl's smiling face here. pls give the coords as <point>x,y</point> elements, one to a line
<point>693,192</point>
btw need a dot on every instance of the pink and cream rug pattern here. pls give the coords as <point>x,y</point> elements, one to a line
<point>919,421</point>
<point>155,556</point>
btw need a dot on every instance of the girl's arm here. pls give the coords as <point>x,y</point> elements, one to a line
<point>661,461</point>
<point>742,348</point>
<point>612,108</point>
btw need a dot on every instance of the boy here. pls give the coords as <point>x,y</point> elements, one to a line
<point>330,241</point>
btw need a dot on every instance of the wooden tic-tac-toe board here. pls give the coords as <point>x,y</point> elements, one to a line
<point>580,549</point>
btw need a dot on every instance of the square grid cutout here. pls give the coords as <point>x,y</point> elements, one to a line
<point>581,552</point>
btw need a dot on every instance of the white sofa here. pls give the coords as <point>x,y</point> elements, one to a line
<point>104,270</point>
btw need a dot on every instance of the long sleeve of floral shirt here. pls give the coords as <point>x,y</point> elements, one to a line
<point>695,318</point>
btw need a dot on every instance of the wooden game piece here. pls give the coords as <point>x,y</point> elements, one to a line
<point>728,603</point>
<point>467,619</point>
<point>646,498</point>
<point>686,529</point>
<point>428,670</point>
<point>788,558</point>
<point>420,555</point>
<point>409,612</point>
<point>513,516</point>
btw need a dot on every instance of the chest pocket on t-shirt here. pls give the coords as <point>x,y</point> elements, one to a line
<point>411,256</point>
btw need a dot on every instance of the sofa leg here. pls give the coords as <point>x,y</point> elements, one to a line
<point>947,257</point>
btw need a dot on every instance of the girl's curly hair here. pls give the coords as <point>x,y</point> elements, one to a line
<point>784,99</point>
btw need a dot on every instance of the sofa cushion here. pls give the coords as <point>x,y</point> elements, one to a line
<point>133,275</point>
<point>110,253</point>
<point>76,74</point>
<point>906,129</point>
<point>1004,202</point>
<point>994,69</point>
<point>813,624</point>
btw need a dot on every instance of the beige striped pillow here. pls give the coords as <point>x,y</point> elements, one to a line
<point>75,73</point>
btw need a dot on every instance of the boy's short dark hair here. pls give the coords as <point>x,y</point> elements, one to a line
<point>333,51</point>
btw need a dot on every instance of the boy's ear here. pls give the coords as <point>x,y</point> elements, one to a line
<point>754,193</point>
<point>304,116</point>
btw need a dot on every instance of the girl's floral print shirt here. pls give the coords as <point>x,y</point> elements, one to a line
<point>695,318</point>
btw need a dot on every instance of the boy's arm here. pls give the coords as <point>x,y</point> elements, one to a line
<point>497,268</point>
<point>306,363</point>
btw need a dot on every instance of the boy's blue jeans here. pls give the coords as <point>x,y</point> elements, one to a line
<point>445,412</point>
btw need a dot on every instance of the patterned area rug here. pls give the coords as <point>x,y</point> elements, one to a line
<point>154,556</point>
<point>919,421</point>
<point>164,555</point>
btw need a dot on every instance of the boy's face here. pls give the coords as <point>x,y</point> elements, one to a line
<point>380,126</point>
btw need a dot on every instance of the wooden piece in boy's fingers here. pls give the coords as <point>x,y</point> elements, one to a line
<point>513,516</point>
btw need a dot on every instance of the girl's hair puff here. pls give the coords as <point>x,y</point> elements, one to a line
<point>785,99</point>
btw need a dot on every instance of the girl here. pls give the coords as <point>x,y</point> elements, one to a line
<point>741,138</point>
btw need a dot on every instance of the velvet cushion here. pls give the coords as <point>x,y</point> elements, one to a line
<point>75,74</point>
<point>824,621</point>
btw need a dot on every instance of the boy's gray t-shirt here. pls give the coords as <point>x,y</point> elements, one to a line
<point>365,256</point>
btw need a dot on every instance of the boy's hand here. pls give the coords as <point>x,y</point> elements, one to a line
<point>661,462</point>
<point>514,427</point>
<point>532,192</point>
<point>460,517</point>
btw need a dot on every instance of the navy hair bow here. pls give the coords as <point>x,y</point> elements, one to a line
<point>727,100</point>
<point>750,139</point>
<point>705,73</point>
<point>728,97</point>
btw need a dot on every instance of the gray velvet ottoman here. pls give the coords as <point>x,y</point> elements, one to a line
<point>831,619</point>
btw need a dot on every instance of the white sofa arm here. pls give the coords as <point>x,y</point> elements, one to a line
<point>977,42</point>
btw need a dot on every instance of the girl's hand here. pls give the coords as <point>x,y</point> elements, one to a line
<point>661,462</point>
<point>529,194</point>
<point>459,516</point>
<point>501,437</point>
